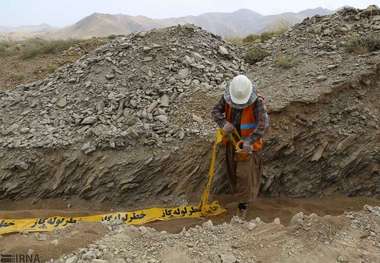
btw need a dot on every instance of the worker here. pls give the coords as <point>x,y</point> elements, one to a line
<point>242,111</point>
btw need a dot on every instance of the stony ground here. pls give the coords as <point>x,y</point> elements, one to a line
<point>312,57</point>
<point>352,237</point>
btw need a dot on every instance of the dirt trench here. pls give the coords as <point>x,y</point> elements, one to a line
<point>316,149</point>
<point>320,150</point>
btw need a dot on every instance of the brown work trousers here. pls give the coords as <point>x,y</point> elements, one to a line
<point>244,176</point>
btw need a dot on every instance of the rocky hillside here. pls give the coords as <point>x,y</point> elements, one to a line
<point>131,121</point>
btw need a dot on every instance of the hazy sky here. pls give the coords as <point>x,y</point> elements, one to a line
<point>65,12</point>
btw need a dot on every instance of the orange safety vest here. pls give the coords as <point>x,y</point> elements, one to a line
<point>248,124</point>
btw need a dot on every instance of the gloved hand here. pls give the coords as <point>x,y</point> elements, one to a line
<point>228,128</point>
<point>247,146</point>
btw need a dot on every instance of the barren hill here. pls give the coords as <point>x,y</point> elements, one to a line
<point>239,23</point>
<point>104,25</point>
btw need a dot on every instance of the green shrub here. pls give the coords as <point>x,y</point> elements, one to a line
<point>36,47</point>
<point>255,55</point>
<point>51,68</point>
<point>277,28</point>
<point>363,44</point>
<point>234,40</point>
<point>252,38</point>
<point>285,61</point>
<point>113,36</point>
<point>267,35</point>
<point>31,48</point>
<point>8,48</point>
<point>17,77</point>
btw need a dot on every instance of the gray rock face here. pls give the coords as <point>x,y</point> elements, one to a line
<point>130,177</point>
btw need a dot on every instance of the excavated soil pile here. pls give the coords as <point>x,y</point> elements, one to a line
<point>108,126</point>
<point>121,95</point>
<point>352,237</point>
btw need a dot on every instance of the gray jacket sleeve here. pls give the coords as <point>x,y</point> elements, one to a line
<point>218,113</point>
<point>261,117</point>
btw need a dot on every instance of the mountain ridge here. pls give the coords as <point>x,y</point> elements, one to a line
<point>238,23</point>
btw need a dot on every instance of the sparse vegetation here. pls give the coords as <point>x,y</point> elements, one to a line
<point>363,44</point>
<point>255,55</point>
<point>285,61</point>
<point>51,68</point>
<point>17,77</point>
<point>234,40</point>
<point>34,47</point>
<point>8,48</point>
<point>112,36</point>
<point>33,59</point>
<point>252,38</point>
<point>275,30</point>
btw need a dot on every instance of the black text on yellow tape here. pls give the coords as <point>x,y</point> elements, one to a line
<point>131,218</point>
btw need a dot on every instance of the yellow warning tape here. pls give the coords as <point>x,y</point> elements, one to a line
<point>131,218</point>
<point>138,217</point>
<point>211,172</point>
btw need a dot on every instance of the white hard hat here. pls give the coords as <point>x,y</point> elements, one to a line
<point>240,89</point>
